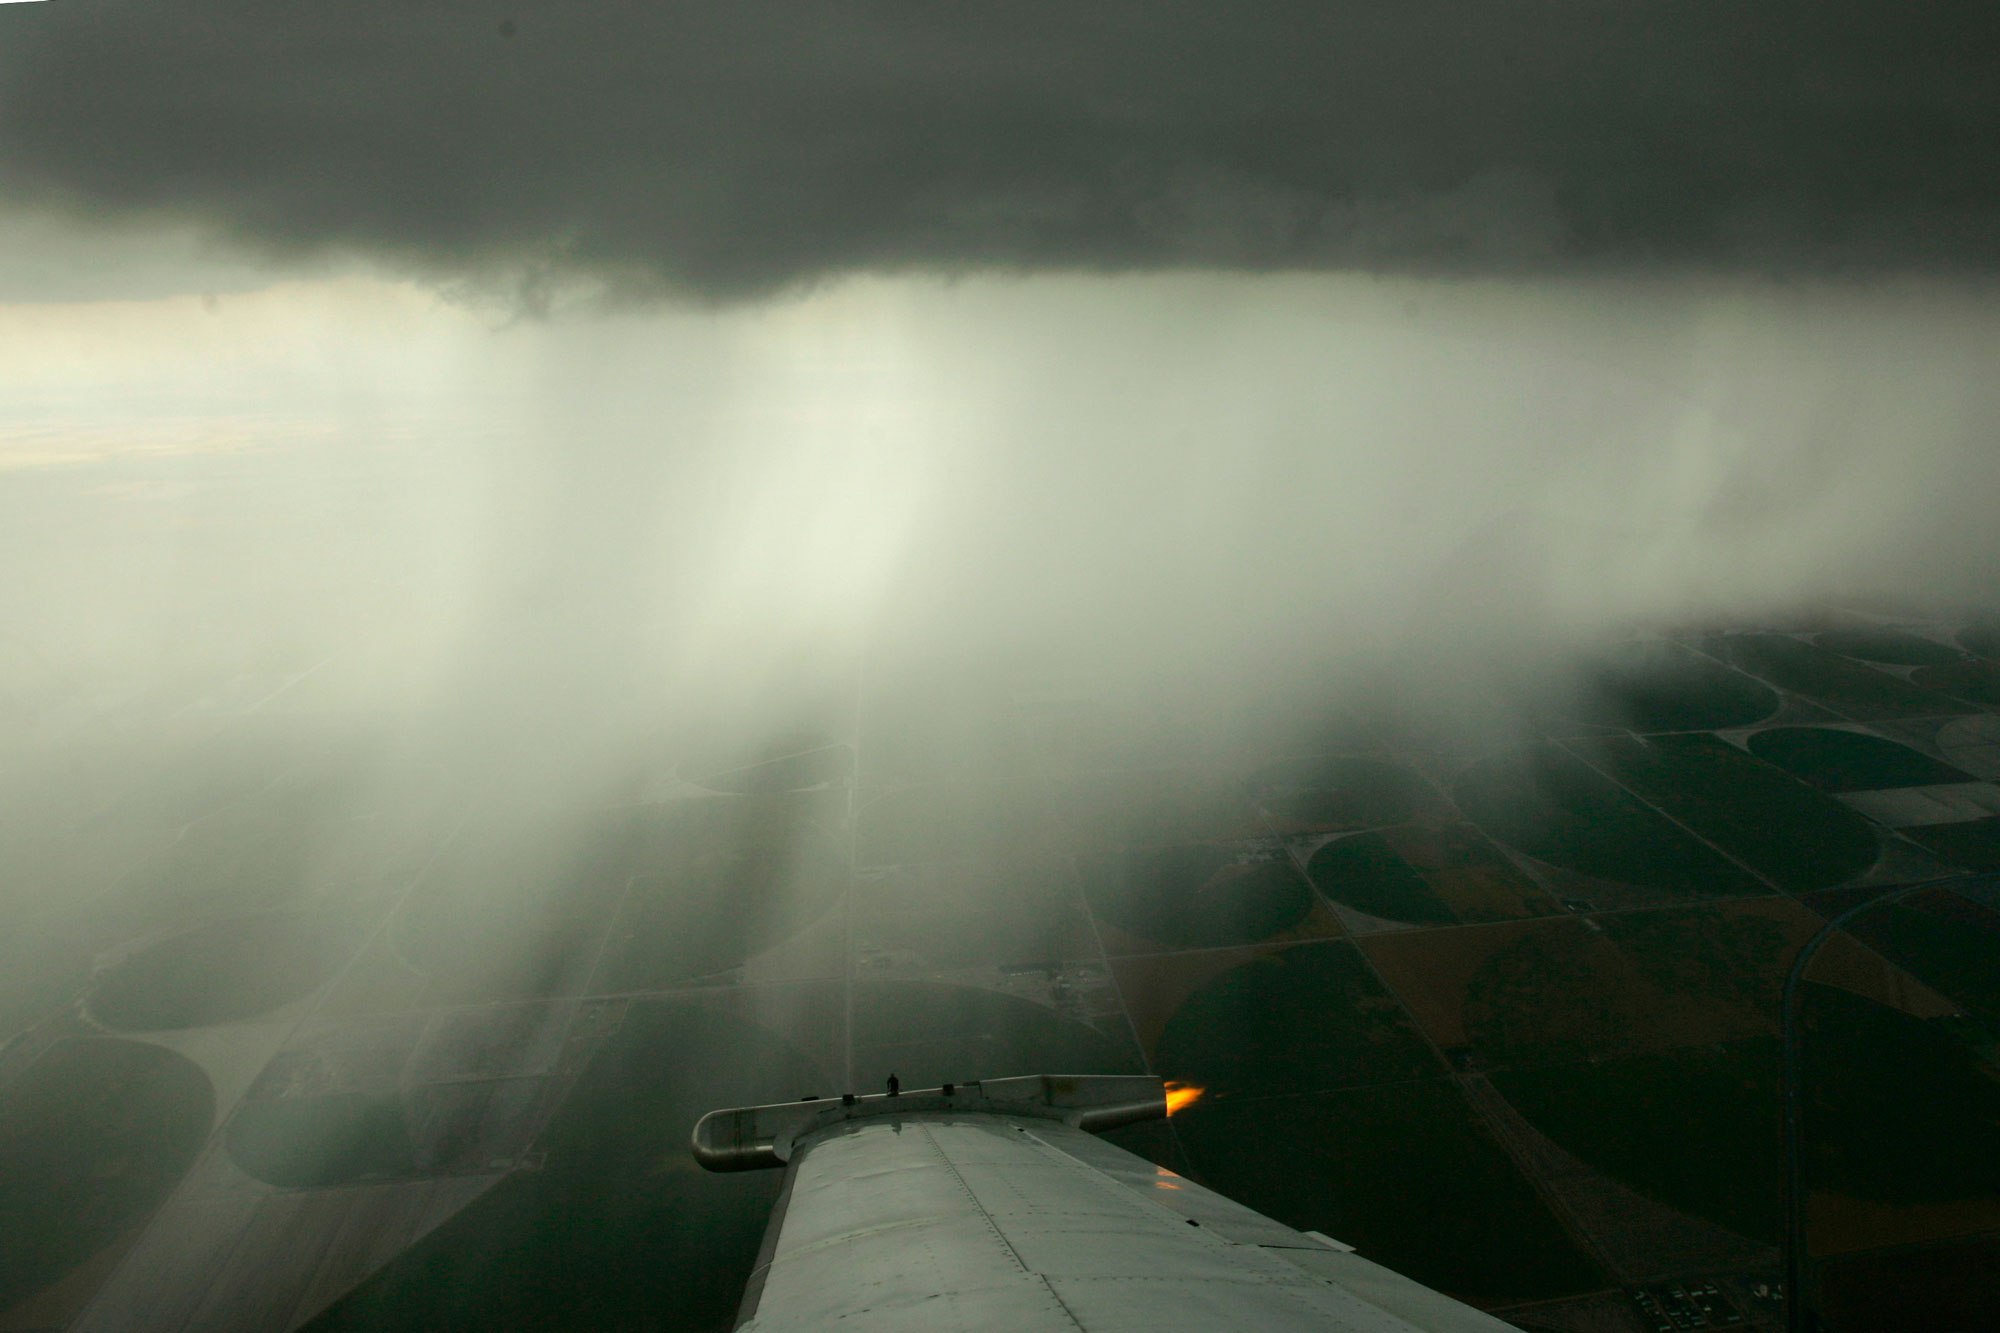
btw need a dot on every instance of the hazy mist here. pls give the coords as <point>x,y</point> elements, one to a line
<point>560,540</point>
<point>565,566</point>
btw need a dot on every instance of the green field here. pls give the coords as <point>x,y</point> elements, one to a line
<point>1765,818</point>
<point>1696,1128</point>
<point>93,1136</point>
<point>1364,873</point>
<point>1975,682</point>
<point>1837,760</point>
<point>307,1142</point>
<point>1973,844</point>
<point>520,911</point>
<point>620,1230</point>
<point>1899,1110</point>
<point>41,970</point>
<point>1549,804</point>
<point>1982,636</point>
<point>1860,692</point>
<point>1203,895</point>
<point>1662,686</point>
<point>1894,646</point>
<point>1473,878</point>
<point>1405,1173</point>
<point>948,917</point>
<point>1701,957</point>
<point>1156,808</point>
<point>231,969</point>
<point>1955,951</point>
<point>1303,1019</point>
<point>1559,992</point>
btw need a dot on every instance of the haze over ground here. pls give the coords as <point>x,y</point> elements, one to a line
<point>1306,479</point>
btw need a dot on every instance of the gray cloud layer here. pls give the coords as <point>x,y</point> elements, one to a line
<point>731,148</point>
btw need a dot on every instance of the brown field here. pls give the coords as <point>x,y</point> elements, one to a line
<point>1841,1224</point>
<point>1719,969</point>
<point>1623,982</point>
<point>1473,877</point>
<point>1320,922</point>
<point>1103,893</point>
<point>1429,970</point>
<point>1947,1289</point>
<point>1570,989</point>
<point>1845,962</point>
<point>1155,988</point>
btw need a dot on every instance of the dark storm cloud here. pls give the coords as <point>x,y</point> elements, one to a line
<point>729,148</point>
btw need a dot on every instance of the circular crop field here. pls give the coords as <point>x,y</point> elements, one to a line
<point>1648,687</point>
<point>1556,993</point>
<point>1974,681</point>
<point>1363,872</point>
<point>1546,803</point>
<point>1982,636</point>
<point>93,1136</point>
<point>1838,760</point>
<point>1405,1172</point>
<point>1199,896</point>
<point>1550,804</point>
<point>1695,1128</point>
<point>1898,1111</point>
<point>1894,646</point>
<point>307,1142</point>
<point>1303,1019</point>
<point>619,1228</point>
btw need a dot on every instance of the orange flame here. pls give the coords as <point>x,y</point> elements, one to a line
<point>1180,1096</point>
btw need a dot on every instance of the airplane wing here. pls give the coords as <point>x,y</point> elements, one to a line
<point>992,1206</point>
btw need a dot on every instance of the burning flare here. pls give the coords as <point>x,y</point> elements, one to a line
<point>1180,1096</point>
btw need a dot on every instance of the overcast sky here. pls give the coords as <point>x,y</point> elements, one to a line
<point>729,149</point>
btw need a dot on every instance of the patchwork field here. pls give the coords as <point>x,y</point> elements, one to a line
<point>1494,1015</point>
